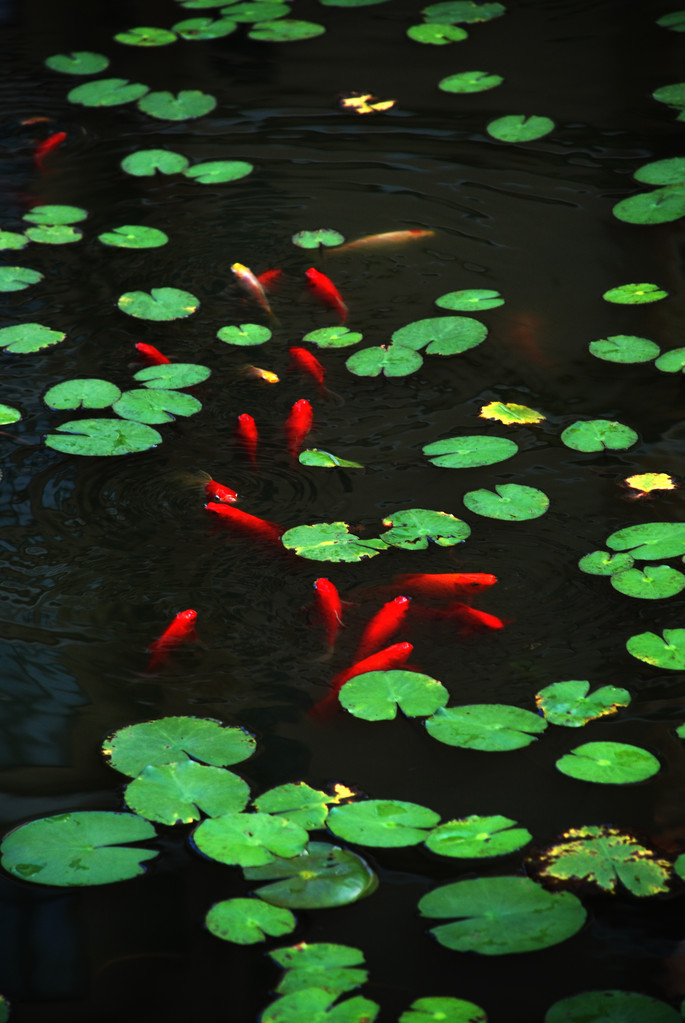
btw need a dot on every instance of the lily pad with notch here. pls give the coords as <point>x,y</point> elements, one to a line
<point>16,278</point>
<point>330,541</point>
<point>189,103</point>
<point>159,305</point>
<point>437,34</point>
<point>248,839</point>
<point>624,348</point>
<point>604,563</point>
<point>103,437</point>
<point>173,375</point>
<point>598,435</point>
<point>107,92</point>
<point>22,338</point>
<point>413,528</point>
<point>204,28</point>
<point>470,81</point>
<point>315,1005</point>
<point>181,792</point>
<point>246,335</point>
<point>259,10</point>
<point>326,460</point>
<point>155,405</point>
<point>285,31</point>
<point>469,299</point>
<point>658,207</point>
<point>9,415</point>
<point>470,451</point>
<point>519,128</point>
<point>173,739</point>
<point>333,337</point>
<point>609,1006</point>
<point>443,1009</point>
<point>442,335</point>
<point>322,876</point>
<point>334,968</point>
<point>54,234</point>
<point>510,502</point>
<point>146,36</point>
<point>493,727</point>
<point>635,294</point>
<point>86,392</point>
<point>12,240</point>
<point>248,921</point>
<point>662,172</point>
<point>216,172</point>
<point>672,362</point>
<point>608,763</point>
<point>387,823</point>
<point>390,360</point>
<point>79,62</point>
<point>322,236</point>
<point>668,652</point>
<point>466,11</point>
<point>147,162</point>
<point>298,802</point>
<point>650,540</point>
<point>134,236</point>
<point>568,704</point>
<point>376,695</point>
<point>477,837</point>
<point>52,213</point>
<point>651,583</point>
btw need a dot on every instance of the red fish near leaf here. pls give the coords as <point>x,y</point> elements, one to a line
<point>445,585</point>
<point>48,145</point>
<point>152,354</point>
<point>247,432</point>
<point>382,626</point>
<point>391,657</point>
<point>244,522</point>
<point>298,424</point>
<point>329,606</point>
<point>218,492</point>
<point>326,291</point>
<point>181,628</point>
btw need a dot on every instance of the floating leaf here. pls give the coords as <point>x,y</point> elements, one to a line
<point>635,294</point>
<point>9,415</point>
<point>16,278</point>
<point>519,128</point>
<point>610,1006</point>
<point>204,28</point>
<point>668,652</point>
<point>173,739</point>
<point>333,337</point>
<point>646,482</point>
<point>322,965</point>
<point>414,527</point>
<point>329,541</point>
<point>285,31</point>
<point>662,172</point>
<point>325,460</point>
<point>467,452</point>
<point>657,207</point>
<point>188,103</point>
<point>146,37</point>
<point>173,793</point>
<point>248,839</point>
<point>604,856</point>
<point>673,94</point>
<point>511,502</point>
<point>315,239</point>
<point>134,236</point>
<point>81,848</point>
<point>376,695</point>
<point>248,921</point>
<point>298,802</point>
<point>608,763</point>
<point>650,540</point>
<point>322,876</point>
<point>22,338</point>
<point>58,214</point>
<point>487,726</point>
<point>598,435</point>
<point>603,563</point>
<point>652,583</point>
<point>336,980</point>
<point>87,392</point>
<point>672,362</point>
<point>502,915</point>
<point>436,34</point>
<point>12,240</point>
<point>79,62</point>
<point>54,234</point>
<point>261,10</point>
<point>147,162</point>
<point>216,172</point>
<point>470,81</point>
<point>568,703</point>
<point>388,823</point>
<point>466,11</point>
<point>469,299</point>
<point>155,405</point>
<point>444,335</point>
<point>364,102</point>
<point>313,1005</point>
<point>675,20</point>
<point>477,837</point>
<point>102,437</point>
<point>107,92</point>
<point>391,360</point>
<point>173,375</point>
<point>510,414</point>
<point>159,304</point>
<point>443,1009</point>
<point>247,334</point>
<point>624,348</point>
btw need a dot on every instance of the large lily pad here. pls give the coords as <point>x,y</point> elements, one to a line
<point>172,375</point>
<point>187,104</point>
<point>155,405</point>
<point>650,540</point>
<point>147,162</point>
<point>470,81</point>
<point>180,792</point>
<point>477,837</point>
<point>258,10</point>
<point>469,299</point>
<point>160,304</point>
<point>598,435</point>
<point>249,839</point>
<point>79,62</point>
<point>611,1007</point>
<point>624,348</point>
<point>320,964</point>
<point>672,362</point>
<point>604,563</point>
<point>16,278</point>
<point>146,36</point>
<point>173,739</point>
<point>442,335</point>
<point>55,213</point>
<point>298,802</point>
<point>9,414</point>
<point>22,338</point>
<point>88,392</point>
<point>134,236</point>
<point>608,763</point>
<point>519,127</point>
<point>657,207</point>
<point>246,335</point>
<point>204,28</point>
<point>668,652</point>
<point>486,726</point>
<point>470,451</point>
<point>322,876</point>
<point>330,541</point>
<point>464,11</point>
<point>315,1005</point>
<point>54,234</point>
<point>382,822</point>
<point>414,527</point>
<point>248,921</point>
<point>390,360</point>
<point>662,172</point>
<point>216,172</point>
<point>12,240</point>
<point>635,294</point>
<point>651,583</point>
<point>285,31</point>
<point>511,502</point>
<point>107,92</point>
<point>568,703</point>
<point>102,437</point>
<point>443,1009</point>
<point>376,695</point>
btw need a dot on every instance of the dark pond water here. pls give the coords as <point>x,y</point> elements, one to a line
<point>99,554</point>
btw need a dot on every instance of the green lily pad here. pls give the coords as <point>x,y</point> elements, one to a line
<point>382,822</point>
<point>102,437</point>
<point>414,527</point>
<point>650,540</point>
<point>603,563</point>
<point>87,392</point>
<point>322,876</point>
<point>635,294</point>
<point>314,1006</point>
<point>55,214</point>
<point>173,793</point>
<point>330,541</point>
<point>81,848</point>
<point>568,703</point>
<point>486,726</point>
<point>668,652</point>
<point>9,415</point>
<point>672,362</point>
<point>204,28</point>
<point>672,94</point>
<point>147,162</point>
<point>22,338</point>
<point>322,965</point>
<point>502,915</point>
<point>662,172</point>
<point>298,802</point>
<point>605,856</point>
<point>335,980</point>
<point>470,81</point>
<point>134,236</point>
<point>54,234</point>
<point>285,31</point>
<point>466,11</point>
<point>467,452</point>
<point>376,695</point>
<point>610,1006</point>
<point>469,299</point>
<point>657,207</point>
<point>107,92</point>
<point>624,348</point>
<point>173,375</point>
<point>598,435</point>
<point>436,34</point>
<point>391,360</point>
<point>511,502</point>
<point>248,839</point>
<point>12,240</point>
<point>173,739</point>
<point>608,763</point>
<point>477,837</point>
<point>325,460</point>
<point>16,278</point>
<point>247,334</point>
<point>79,62</point>
<point>333,337</point>
<point>155,405</point>
<point>160,304</point>
<point>261,10</point>
<point>248,921</point>
<point>145,36</point>
<point>519,128</point>
<point>443,1009</point>
<point>351,3</point>
<point>444,335</point>
<point>651,583</point>
<point>187,104</point>
<point>216,172</point>
<point>4,1009</point>
<point>314,239</point>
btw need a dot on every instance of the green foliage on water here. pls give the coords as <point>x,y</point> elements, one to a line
<point>315,1005</point>
<point>604,563</point>
<point>16,278</point>
<point>189,103</point>
<point>249,839</point>
<point>147,162</point>
<point>413,528</point>
<point>326,460</point>
<point>160,304</point>
<point>173,739</point>
<point>388,823</point>
<point>321,877</point>
<point>246,335</point>
<point>469,299</point>
<point>657,207</point>
<point>285,31</point>
<point>248,921</point>
<point>571,705</point>
<point>216,172</point>
<point>662,172</point>
<point>377,695</point>
<point>650,583</point>
<point>54,234</point>
<point>22,338</point>
<point>467,452</point>
<point>648,540</point>
<point>134,236</point>
<point>667,652</point>
<point>321,236</point>
<point>78,62</point>
<point>330,541</point>
<point>333,337</point>
<point>511,502</point>
<point>107,92</point>
<point>442,335</point>
<point>298,802</point>
<point>443,1009</point>
<point>519,128</point>
<point>389,360</point>
<point>672,362</point>
<point>12,240</point>
<point>8,415</point>
<point>635,294</point>
<point>55,214</point>
<point>608,763</point>
<point>87,392</point>
<point>155,405</point>
<point>204,28</point>
<point>102,437</point>
<point>624,348</point>
<point>436,34</point>
<point>182,792</point>
<point>470,81</point>
<point>598,435</point>
<point>477,837</point>
<point>171,375</point>
<point>466,11</point>
<point>610,1006</point>
<point>492,727</point>
<point>145,36</point>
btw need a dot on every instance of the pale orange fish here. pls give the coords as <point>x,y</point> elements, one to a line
<point>251,285</point>
<point>261,374</point>
<point>372,241</point>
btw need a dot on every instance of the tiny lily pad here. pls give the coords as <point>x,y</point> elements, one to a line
<point>147,162</point>
<point>187,104</point>
<point>176,793</point>
<point>248,921</point>
<point>443,1009</point>
<point>9,415</point>
<point>672,362</point>
<point>608,763</point>
<point>470,81</point>
<point>330,541</point>
<point>466,11</point>
<point>648,540</point>
<point>323,875</point>
<point>55,214</point>
<point>173,739</point>
<point>204,28</point>
<point>610,1006</point>
<point>568,704</point>
<point>298,802</point>
<point>247,334</point>
<point>325,460</point>
<point>134,236</point>
<point>657,207</point>
<point>519,128</point>
<point>80,62</point>
<point>624,348</point>
<point>414,527</point>
<point>155,405</point>
<point>651,583</point>
<point>160,304</point>
<point>436,34</point>
<point>442,335</point>
<point>668,652</point>
<point>315,239</point>
<point>388,823</point>
<point>604,563</point>
<point>88,392</point>
<point>598,435</point>
<point>477,837</point>
<point>470,299</point>
<point>467,452</point>
<point>107,92</point>
<point>376,695</point>
<point>102,437</point>
<point>173,375</point>
<point>22,338</point>
<point>12,240</point>
<point>216,172</point>
<point>510,414</point>
<point>285,31</point>
<point>391,360</point>
<point>635,294</point>
<point>144,36</point>
<point>662,172</point>
<point>54,234</point>
<point>333,337</point>
<point>16,278</point>
<point>248,839</point>
<point>511,502</point>
<point>488,726</point>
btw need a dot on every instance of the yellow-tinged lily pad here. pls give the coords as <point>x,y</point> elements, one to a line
<point>510,413</point>
<point>648,481</point>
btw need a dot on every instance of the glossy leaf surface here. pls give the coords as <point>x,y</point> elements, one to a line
<point>173,375</point>
<point>134,236</point>
<point>519,128</point>
<point>413,528</point>
<point>625,348</point>
<point>322,236</point>
<point>249,839</point>
<point>160,304</point>
<point>216,172</point>
<point>147,162</point>
<point>82,393</point>
<point>568,703</point>
<point>181,792</point>
<point>390,360</point>
<point>187,104</point>
<point>608,763</point>
<point>382,822</point>
<point>470,451</point>
<point>510,502</point>
<point>598,435</point>
<point>102,437</point>
<point>79,62</point>
<point>376,695</point>
<point>173,739</point>
<point>248,921</point>
<point>477,837</point>
<point>650,583</point>
<point>324,875</point>
<point>330,541</point>
<point>246,335</point>
<point>668,652</point>
<point>107,92</point>
<point>494,727</point>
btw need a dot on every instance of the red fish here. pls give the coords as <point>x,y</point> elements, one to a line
<point>247,432</point>
<point>309,363</point>
<point>382,626</point>
<point>469,619</point>
<point>298,424</point>
<point>247,523</point>
<point>218,492</point>
<point>445,584</point>
<point>329,606</point>
<point>325,290</point>
<point>152,354</point>
<point>181,628</point>
<point>47,146</point>
<point>391,657</point>
<point>269,278</point>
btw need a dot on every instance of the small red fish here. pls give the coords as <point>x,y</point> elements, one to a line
<point>326,291</point>
<point>329,606</point>
<point>181,628</point>
<point>382,626</point>
<point>391,657</point>
<point>247,432</point>
<point>152,354</point>
<point>469,619</point>
<point>445,584</point>
<point>218,492</point>
<point>298,424</point>
<point>269,278</point>
<point>309,363</point>
<point>247,523</point>
<point>47,146</point>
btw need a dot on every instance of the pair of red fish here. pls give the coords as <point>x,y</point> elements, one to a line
<point>321,285</point>
<point>297,426</point>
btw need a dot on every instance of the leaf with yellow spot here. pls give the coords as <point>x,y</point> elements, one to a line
<point>648,481</point>
<point>510,414</point>
<point>364,103</point>
<point>330,541</point>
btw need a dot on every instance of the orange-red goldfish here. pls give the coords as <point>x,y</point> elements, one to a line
<point>269,278</point>
<point>262,374</point>
<point>250,284</point>
<point>469,619</point>
<point>246,523</point>
<point>298,424</point>
<point>372,241</point>
<point>309,363</point>
<point>326,291</point>
<point>444,584</point>
<point>151,354</point>
<point>329,606</point>
<point>181,628</point>
<point>47,146</point>
<point>391,657</point>
<point>218,492</point>
<point>382,626</point>
<point>247,432</point>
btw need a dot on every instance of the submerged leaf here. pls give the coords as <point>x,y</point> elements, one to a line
<point>102,437</point>
<point>376,695</point>
<point>248,921</point>
<point>467,452</point>
<point>568,703</point>
<point>414,527</point>
<point>466,11</point>
<point>511,502</point>
<point>487,726</point>
<point>330,541</point>
<point>173,739</point>
<point>608,763</point>
<point>598,435</point>
<point>324,875</point>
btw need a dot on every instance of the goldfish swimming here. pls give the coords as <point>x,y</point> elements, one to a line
<point>218,492</point>
<point>325,290</point>
<point>247,523</point>
<point>247,432</point>
<point>444,584</point>
<point>47,146</point>
<point>251,284</point>
<point>262,374</point>
<point>372,241</point>
<point>468,618</point>
<point>269,278</point>
<point>329,606</point>
<point>309,363</point>
<point>391,657</point>
<point>152,354</point>
<point>382,626</point>
<point>298,424</point>
<point>181,628</point>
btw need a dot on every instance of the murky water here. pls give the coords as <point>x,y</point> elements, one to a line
<point>101,553</point>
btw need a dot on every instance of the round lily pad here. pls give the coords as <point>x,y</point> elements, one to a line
<point>102,437</point>
<point>651,583</point>
<point>88,392</point>
<point>624,348</point>
<point>248,839</point>
<point>470,299</point>
<point>216,172</point>
<point>487,726</point>
<point>610,1006</point>
<point>55,214</point>
<point>635,294</point>
<point>442,335</point>
<point>477,837</point>
<point>467,452</point>
<point>9,415</point>
<point>178,793</point>
<point>187,104</point>
<point>145,36</point>
<point>415,527</point>
<point>662,172</point>
<point>323,875</point>
<point>259,10</point>
<point>608,763</point>
<point>436,34</point>
<point>107,92</point>
<point>382,822</point>
<point>172,375</point>
<point>569,705</point>
<point>298,802</point>
<point>598,435</point>
<point>330,541</point>
<point>648,540</point>
<point>160,304</point>
<point>173,739</point>
<point>147,162</point>
<point>325,460</point>
<point>657,207</point>
<point>470,81</point>
<point>519,128</point>
<point>285,31</point>
<point>247,334</point>
<point>204,28</point>
<point>248,921</point>
<point>391,360</point>
<point>510,502</point>
<point>510,413</point>
<point>12,240</point>
<point>320,954</point>
<point>16,278</point>
<point>155,405</point>
<point>672,362</point>
<point>603,563</point>
<point>332,979</point>
<point>443,1009</point>
<point>313,1004</point>
<point>79,62</point>
<point>333,337</point>
<point>134,236</point>
<point>54,234</point>
<point>376,695</point>
<point>466,11</point>
<point>314,239</point>
<point>668,652</point>
<point>22,338</point>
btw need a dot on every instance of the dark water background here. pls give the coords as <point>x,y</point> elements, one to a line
<point>99,554</point>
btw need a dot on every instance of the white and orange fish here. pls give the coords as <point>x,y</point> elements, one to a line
<point>252,286</point>
<point>389,238</point>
